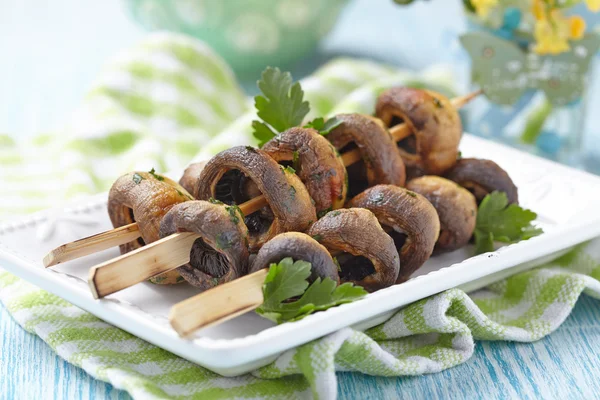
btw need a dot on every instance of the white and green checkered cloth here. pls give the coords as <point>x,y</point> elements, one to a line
<point>170,100</point>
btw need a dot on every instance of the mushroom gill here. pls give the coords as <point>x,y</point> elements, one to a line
<point>381,161</point>
<point>435,125</point>
<point>412,221</point>
<point>366,254</point>
<point>220,254</point>
<point>298,246</point>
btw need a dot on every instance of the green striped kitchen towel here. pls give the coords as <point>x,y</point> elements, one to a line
<point>171,99</point>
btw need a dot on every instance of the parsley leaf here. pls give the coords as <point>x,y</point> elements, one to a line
<point>262,132</point>
<point>288,279</point>
<point>497,221</point>
<point>280,106</point>
<point>324,127</point>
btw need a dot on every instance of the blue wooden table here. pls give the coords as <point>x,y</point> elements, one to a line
<point>52,66</point>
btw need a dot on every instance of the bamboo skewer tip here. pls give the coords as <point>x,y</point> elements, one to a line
<point>50,259</point>
<point>92,283</point>
<point>235,298</point>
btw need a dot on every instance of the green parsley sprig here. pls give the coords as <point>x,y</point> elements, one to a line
<point>288,280</point>
<point>281,106</point>
<point>497,221</point>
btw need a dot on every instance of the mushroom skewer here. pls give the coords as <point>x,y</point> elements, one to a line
<point>373,263</point>
<point>130,232</point>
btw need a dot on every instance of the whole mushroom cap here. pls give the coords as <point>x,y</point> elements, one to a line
<point>298,246</point>
<point>482,177</point>
<point>145,198</point>
<point>456,208</point>
<point>435,124</point>
<point>369,257</point>
<point>221,253</point>
<point>315,161</point>
<point>381,159</point>
<point>414,223</point>
<point>241,173</point>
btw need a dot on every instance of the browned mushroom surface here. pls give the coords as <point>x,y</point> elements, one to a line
<point>144,198</point>
<point>412,221</point>
<point>298,246</point>
<point>456,208</point>
<point>190,176</point>
<point>434,123</point>
<point>381,160</point>
<point>482,177</point>
<point>236,175</point>
<point>315,161</point>
<point>221,253</point>
<point>366,254</point>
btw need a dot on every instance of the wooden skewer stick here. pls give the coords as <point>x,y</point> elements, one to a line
<point>115,237</point>
<point>118,273</point>
<point>92,244</point>
<point>229,300</point>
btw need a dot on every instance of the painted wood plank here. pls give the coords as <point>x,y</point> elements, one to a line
<point>29,369</point>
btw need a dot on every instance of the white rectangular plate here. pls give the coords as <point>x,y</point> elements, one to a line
<point>562,197</point>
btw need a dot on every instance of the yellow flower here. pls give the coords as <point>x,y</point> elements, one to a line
<point>483,7</point>
<point>551,38</point>
<point>593,5</point>
<point>577,27</point>
<point>538,10</point>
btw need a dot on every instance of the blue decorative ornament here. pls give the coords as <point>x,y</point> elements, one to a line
<point>512,19</point>
<point>504,33</point>
<point>549,142</point>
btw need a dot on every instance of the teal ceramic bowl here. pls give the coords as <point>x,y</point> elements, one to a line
<point>249,34</point>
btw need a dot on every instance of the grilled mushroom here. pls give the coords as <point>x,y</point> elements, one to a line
<point>456,208</point>
<point>221,253</point>
<point>368,255</point>
<point>190,176</point>
<point>315,161</point>
<point>482,177</point>
<point>238,174</point>
<point>381,160</point>
<point>298,246</point>
<point>435,125</point>
<point>412,221</point>
<point>144,198</point>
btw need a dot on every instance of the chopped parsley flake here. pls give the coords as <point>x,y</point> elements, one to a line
<point>155,175</point>
<point>137,178</point>
<point>223,241</point>
<point>317,237</point>
<point>324,212</point>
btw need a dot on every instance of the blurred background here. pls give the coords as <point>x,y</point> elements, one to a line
<point>52,51</point>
